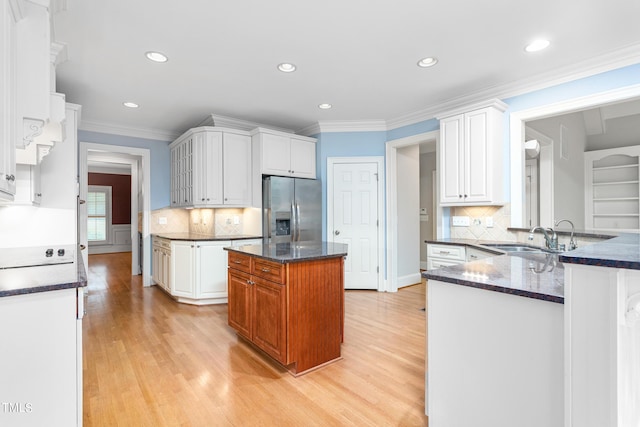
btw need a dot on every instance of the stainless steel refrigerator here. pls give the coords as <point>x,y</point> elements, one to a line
<point>291,209</point>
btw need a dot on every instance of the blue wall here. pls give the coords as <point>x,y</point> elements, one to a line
<point>160,161</point>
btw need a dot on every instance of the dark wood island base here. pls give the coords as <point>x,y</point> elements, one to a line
<point>290,306</point>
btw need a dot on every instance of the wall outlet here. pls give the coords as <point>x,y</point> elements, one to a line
<point>162,220</point>
<point>236,219</point>
<point>460,221</point>
<point>489,221</point>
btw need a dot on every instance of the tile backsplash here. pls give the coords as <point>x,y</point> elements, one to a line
<point>202,221</point>
<point>478,228</point>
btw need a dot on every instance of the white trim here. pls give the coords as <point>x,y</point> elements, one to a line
<point>344,126</point>
<point>144,155</point>
<point>216,120</point>
<point>516,133</point>
<point>93,126</point>
<point>379,160</point>
<point>410,279</point>
<point>391,173</point>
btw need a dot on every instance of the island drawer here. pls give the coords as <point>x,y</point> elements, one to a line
<point>269,270</point>
<point>240,262</point>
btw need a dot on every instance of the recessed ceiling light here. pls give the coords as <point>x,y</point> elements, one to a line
<point>427,62</point>
<point>156,56</point>
<point>537,45</point>
<point>324,106</point>
<point>286,67</point>
<point>130,104</point>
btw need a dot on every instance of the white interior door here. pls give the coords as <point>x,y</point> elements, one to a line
<point>354,220</point>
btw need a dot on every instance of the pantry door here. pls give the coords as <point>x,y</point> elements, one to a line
<point>354,217</point>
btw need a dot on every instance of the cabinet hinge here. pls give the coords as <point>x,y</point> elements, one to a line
<point>377,269</point>
<point>376,174</point>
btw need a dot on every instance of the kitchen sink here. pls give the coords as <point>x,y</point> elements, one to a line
<point>519,248</point>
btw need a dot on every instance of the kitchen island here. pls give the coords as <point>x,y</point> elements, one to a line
<point>537,339</point>
<point>41,310</point>
<point>287,300</point>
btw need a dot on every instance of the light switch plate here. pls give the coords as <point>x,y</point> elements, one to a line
<point>489,221</point>
<point>162,220</point>
<point>460,221</point>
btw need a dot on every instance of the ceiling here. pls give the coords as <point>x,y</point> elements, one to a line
<point>360,56</point>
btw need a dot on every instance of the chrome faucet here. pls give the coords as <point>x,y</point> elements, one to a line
<point>550,241</point>
<point>572,243</point>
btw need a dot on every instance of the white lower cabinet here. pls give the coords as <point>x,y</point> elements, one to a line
<point>41,378</point>
<point>199,271</point>
<point>161,263</point>
<point>444,255</point>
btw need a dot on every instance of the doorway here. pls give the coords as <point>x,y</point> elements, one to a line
<point>139,161</point>
<point>401,214</point>
<point>354,217</point>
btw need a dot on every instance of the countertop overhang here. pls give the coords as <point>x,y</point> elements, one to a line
<point>293,251</point>
<point>204,237</point>
<point>28,280</point>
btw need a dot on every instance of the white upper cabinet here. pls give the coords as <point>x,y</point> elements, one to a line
<point>8,114</point>
<point>211,167</point>
<point>236,169</point>
<point>284,154</point>
<point>471,156</point>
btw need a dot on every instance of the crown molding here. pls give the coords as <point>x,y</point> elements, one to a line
<point>344,126</point>
<point>217,120</point>
<point>91,126</point>
<point>620,58</point>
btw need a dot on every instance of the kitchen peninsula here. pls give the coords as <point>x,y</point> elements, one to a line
<point>536,339</point>
<point>287,299</point>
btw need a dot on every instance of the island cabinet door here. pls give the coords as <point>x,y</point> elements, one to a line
<point>240,302</point>
<point>269,322</point>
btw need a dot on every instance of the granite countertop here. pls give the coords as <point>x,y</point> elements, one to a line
<point>539,276</point>
<point>519,273</point>
<point>28,280</point>
<point>199,236</point>
<point>620,252</point>
<point>294,251</point>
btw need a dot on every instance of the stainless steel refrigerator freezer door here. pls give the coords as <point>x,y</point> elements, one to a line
<point>308,210</point>
<point>277,209</point>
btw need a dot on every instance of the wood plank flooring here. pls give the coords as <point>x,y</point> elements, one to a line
<point>150,361</point>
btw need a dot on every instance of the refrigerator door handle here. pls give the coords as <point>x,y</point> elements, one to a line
<point>293,222</point>
<point>297,222</point>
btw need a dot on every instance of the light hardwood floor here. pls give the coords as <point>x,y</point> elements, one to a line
<point>150,361</point>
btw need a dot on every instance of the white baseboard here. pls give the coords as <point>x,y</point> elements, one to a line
<point>109,249</point>
<point>409,279</point>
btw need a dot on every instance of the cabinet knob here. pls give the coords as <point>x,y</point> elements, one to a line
<point>460,196</point>
<point>203,199</point>
<point>265,270</point>
<point>10,177</point>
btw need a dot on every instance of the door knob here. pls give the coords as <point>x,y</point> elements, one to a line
<point>336,232</point>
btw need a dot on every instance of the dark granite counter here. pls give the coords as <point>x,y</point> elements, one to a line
<point>519,274</point>
<point>200,237</point>
<point>620,252</point>
<point>27,280</point>
<point>538,276</point>
<point>293,252</point>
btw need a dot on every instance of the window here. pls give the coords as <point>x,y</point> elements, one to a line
<point>99,214</point>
